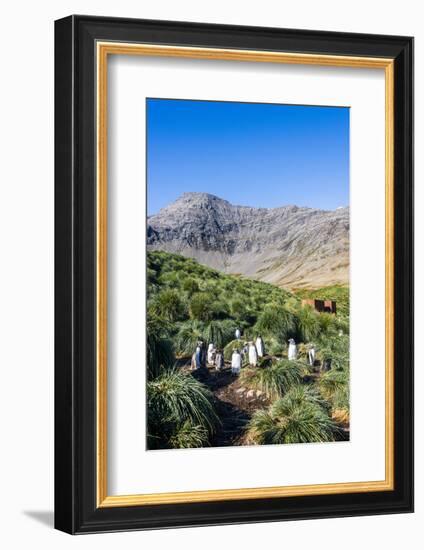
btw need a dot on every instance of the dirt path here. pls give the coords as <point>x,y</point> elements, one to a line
<point>234,404</point>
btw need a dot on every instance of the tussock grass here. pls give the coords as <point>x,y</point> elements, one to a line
<point>160,350</point>
<point>274,380</point>
<point>188,437</point>
<point>334,387</point>
<point>189,333</point>
<point>275,321</point>
<point>176,401</point>
<point>298,417</point>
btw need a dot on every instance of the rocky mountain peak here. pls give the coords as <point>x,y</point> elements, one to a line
<point>289,245</point>
<point>194,198</point>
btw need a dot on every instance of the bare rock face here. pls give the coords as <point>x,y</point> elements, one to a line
<point>288,246</point>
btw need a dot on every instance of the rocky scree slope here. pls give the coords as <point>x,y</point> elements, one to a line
<point>289,246</point>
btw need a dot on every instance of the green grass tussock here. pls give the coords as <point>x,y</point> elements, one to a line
<point>298,417</point>
<point>176,402</point>
<point>274,379</point>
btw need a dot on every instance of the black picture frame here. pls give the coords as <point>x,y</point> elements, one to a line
<point>76,510</point>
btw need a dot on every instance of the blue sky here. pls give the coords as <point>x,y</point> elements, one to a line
<point>250,154</point>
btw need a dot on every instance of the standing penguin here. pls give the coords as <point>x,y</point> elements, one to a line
<point>198,357</point>
<point>260,348</point>
<point>219,360</point>
<point>245,352</point>
<point>292,352</point>
<point>311,356</point>
<point>236,362</point>
<point>203,354</point>
<point>238,334</point>
<point>253,355</point>
<point>211,354</point>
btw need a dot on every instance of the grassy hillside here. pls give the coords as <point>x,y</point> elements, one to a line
<point>203,303</point>
<point>188,302</point>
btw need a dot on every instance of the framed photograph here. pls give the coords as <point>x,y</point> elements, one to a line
<point>234,274</point>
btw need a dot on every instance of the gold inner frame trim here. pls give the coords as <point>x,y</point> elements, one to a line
<point>103,50</point>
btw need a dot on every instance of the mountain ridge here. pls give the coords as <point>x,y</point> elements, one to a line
<point>290,246</point>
